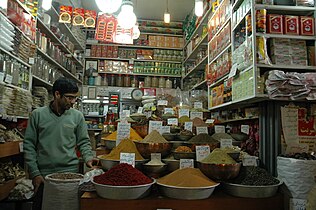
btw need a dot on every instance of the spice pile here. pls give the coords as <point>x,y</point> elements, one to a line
<point>155,162</point>
<point>251,175</point>
<point>134,136</point>
<point>126,146</point>
<point>65,176</point>
<point>186,177</point>
<point>197,122</point>
<point>184,119</point>
<point>203,138</point>
<point>183,149</point>
<point>122,174</point>
<point>218,156</point>
<point>154,137</point>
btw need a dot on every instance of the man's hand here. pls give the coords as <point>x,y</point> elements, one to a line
<point>93,163</point>
<point>37,181</point>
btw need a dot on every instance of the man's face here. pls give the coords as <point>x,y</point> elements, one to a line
<point>67,100</point>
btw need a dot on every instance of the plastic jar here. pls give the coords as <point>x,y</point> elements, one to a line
<point>112,80</point>
<point>168,83</point>
<point>127,81</point>
<point>119,81</point>
<point>162,82</point>
<point>154,82</point>
<point>147,82</point>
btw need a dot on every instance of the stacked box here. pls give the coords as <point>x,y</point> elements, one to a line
<point>243,86</point>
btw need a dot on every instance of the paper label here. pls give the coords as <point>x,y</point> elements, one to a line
<point>14,119</point>
<point>202,152</point>
<point>188,126</point>
<point>154,125</point>
<point>184,112</point>
<point>8,79</point>
<point>196,114</point>
<point>126,113</point>
<point>31,61</point>
<point>168,110</point>
<point>209,121</point>
<point>1,76</point>
<point>201,130</point>
<point>245,129</point>
<point>233,71</point>
<point>198,105</point>
<point>140,110</point>
<point>298,204</point>
<point>164,129</point>
<point>219,129</point>
<point>162,103</point>
<point>173,121</point>
<point>123,131</point>
<point>128,158</point>
<point>148,114</point>
<point>21,146</point>
<point>186,163</point>
<point>155,156</point>
<point>249,161</point>
<point>226,143</point>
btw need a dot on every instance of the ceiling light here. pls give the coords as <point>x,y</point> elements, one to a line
<point>108,6</point>
<point>198,8</point>
<point>47,4</point>
<point>166,16</point>
<point>136,31</point>
<point>127,18</point>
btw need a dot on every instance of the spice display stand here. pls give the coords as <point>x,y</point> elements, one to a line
<point>218,200</point>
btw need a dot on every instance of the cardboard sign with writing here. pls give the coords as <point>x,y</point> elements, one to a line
<point>198,105</point>
<point>245,129</point>
<point>155,156</point>
<point>164,129</point>
<point>140,110</point>
<point>173,121</point>
<point>202,152</point>
<point>196,115</point>
<point>188,126</point>
<point>186,163</point>
<point>168,111</point>
<point>226,143</point>
<point>219,129</point>
<point>249,161</point>
<point>184,112</point>
<point>162,103</point>
<point>123,131</point>
<point>128,158</point>
<point>154,125</point>
<point>201,130</point>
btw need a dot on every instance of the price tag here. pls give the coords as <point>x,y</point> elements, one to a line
<point>31,61</point>
<point>128,158</point>
<point>201,130</point>
<point>188,126</point>
<point>186,163</point>
<point>168,110</point>
<point>233,71</point>
<point>219,129</point>
<point>202,152</point>
<point>140,110</point>
<point>123,131</point>
<point>21,146</point>
<point>8,79</point>
<point>184,112</point>
<point>155,156</point>
<point>148,114</point>
<point>249,161</point>
<point>245,129</point>
<point>1,76</point>
<point>173,121</point>
<point>154,125</point>
<point>164,129</point>
<point>126,113</point>
<point>209,121</point>
<point>298,204</point>
<point>226,143</point>
<point>162,103</point>
<point>15,119</point>
<point>196,114</point>
<point>198,105</point>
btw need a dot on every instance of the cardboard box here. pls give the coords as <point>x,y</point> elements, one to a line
<point>281,59</point>
<point>307,26</point>
<point>275,24</point>
<point>291,24</point>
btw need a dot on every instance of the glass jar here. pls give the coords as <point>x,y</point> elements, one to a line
<point>147,82</point>
<point>162,82</point>
<point>154,82</point>
<point>168,83</point>
<point>104,81</point>
<point>134,82</point>
<point>127,81</point>
<point>112,80</point>
<point>119,81</point>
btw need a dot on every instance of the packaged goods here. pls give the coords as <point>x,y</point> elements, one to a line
<point>307,26</point>
<point>275,24</point>
<point>90,18</point>
<point>261,20</point>
<point>78,17</point>
<point>65,14</point>
<point>291,24</point>
<point>218,156</point>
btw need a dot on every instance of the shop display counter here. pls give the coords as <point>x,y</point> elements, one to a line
<point>218,200</point>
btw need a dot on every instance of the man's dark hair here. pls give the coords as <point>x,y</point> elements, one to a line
<point>65,85</point>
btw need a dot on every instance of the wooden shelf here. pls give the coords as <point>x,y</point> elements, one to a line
<point>9,148</point>
<point>7,187</point>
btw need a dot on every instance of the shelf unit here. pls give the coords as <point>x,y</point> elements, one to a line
<point>197,67</point>
<point>238,120</point>
<point>133,46</point>
<point>131,60</point>
<point>40,82</point>
<point>142,74</point>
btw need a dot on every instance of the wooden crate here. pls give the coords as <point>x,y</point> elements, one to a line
<point>9,148</point>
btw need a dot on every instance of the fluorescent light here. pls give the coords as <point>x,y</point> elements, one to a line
<point>198,8</point>
<point>47,4</point>
<point>127,18</point>
<point>166,17</point>
<point>108,6</point>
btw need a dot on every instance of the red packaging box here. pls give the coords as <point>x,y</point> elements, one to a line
<point>307,26</point>
<point>275,24</point>
<point>291,24</point>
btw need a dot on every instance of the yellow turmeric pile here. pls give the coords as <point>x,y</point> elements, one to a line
<point>134,136</point>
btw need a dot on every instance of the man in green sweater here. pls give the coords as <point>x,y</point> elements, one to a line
<point>52,136</point>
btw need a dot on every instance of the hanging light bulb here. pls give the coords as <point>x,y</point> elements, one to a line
<point>127,18</point>
<point>136,31</point>
<point>108,6</point>
<point>198,8</point>
<point>166,16</point>
<point>47,4</point>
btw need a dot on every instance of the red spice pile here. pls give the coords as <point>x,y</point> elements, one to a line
<point>122,175</point>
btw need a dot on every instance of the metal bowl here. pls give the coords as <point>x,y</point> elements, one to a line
<point>154,170</point>
<point>186,193</point>
<point>249,191</point>
<point>145,149</point>
<point>172,164</point>
<point>184,155</point>
<point>219,171</point>
<point>184,137</point>
<point>122,192</point>
<point>169,136</point>
<point>107,164</point>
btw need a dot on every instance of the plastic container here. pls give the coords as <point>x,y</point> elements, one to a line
<point>119,81</point>
<point>154,82</point>
<point>168,83</point>
<point>162,82</point>
<point>127,81</point>
<point>147,82</point>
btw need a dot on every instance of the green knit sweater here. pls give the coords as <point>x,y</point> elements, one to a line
<point>50,142</point>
